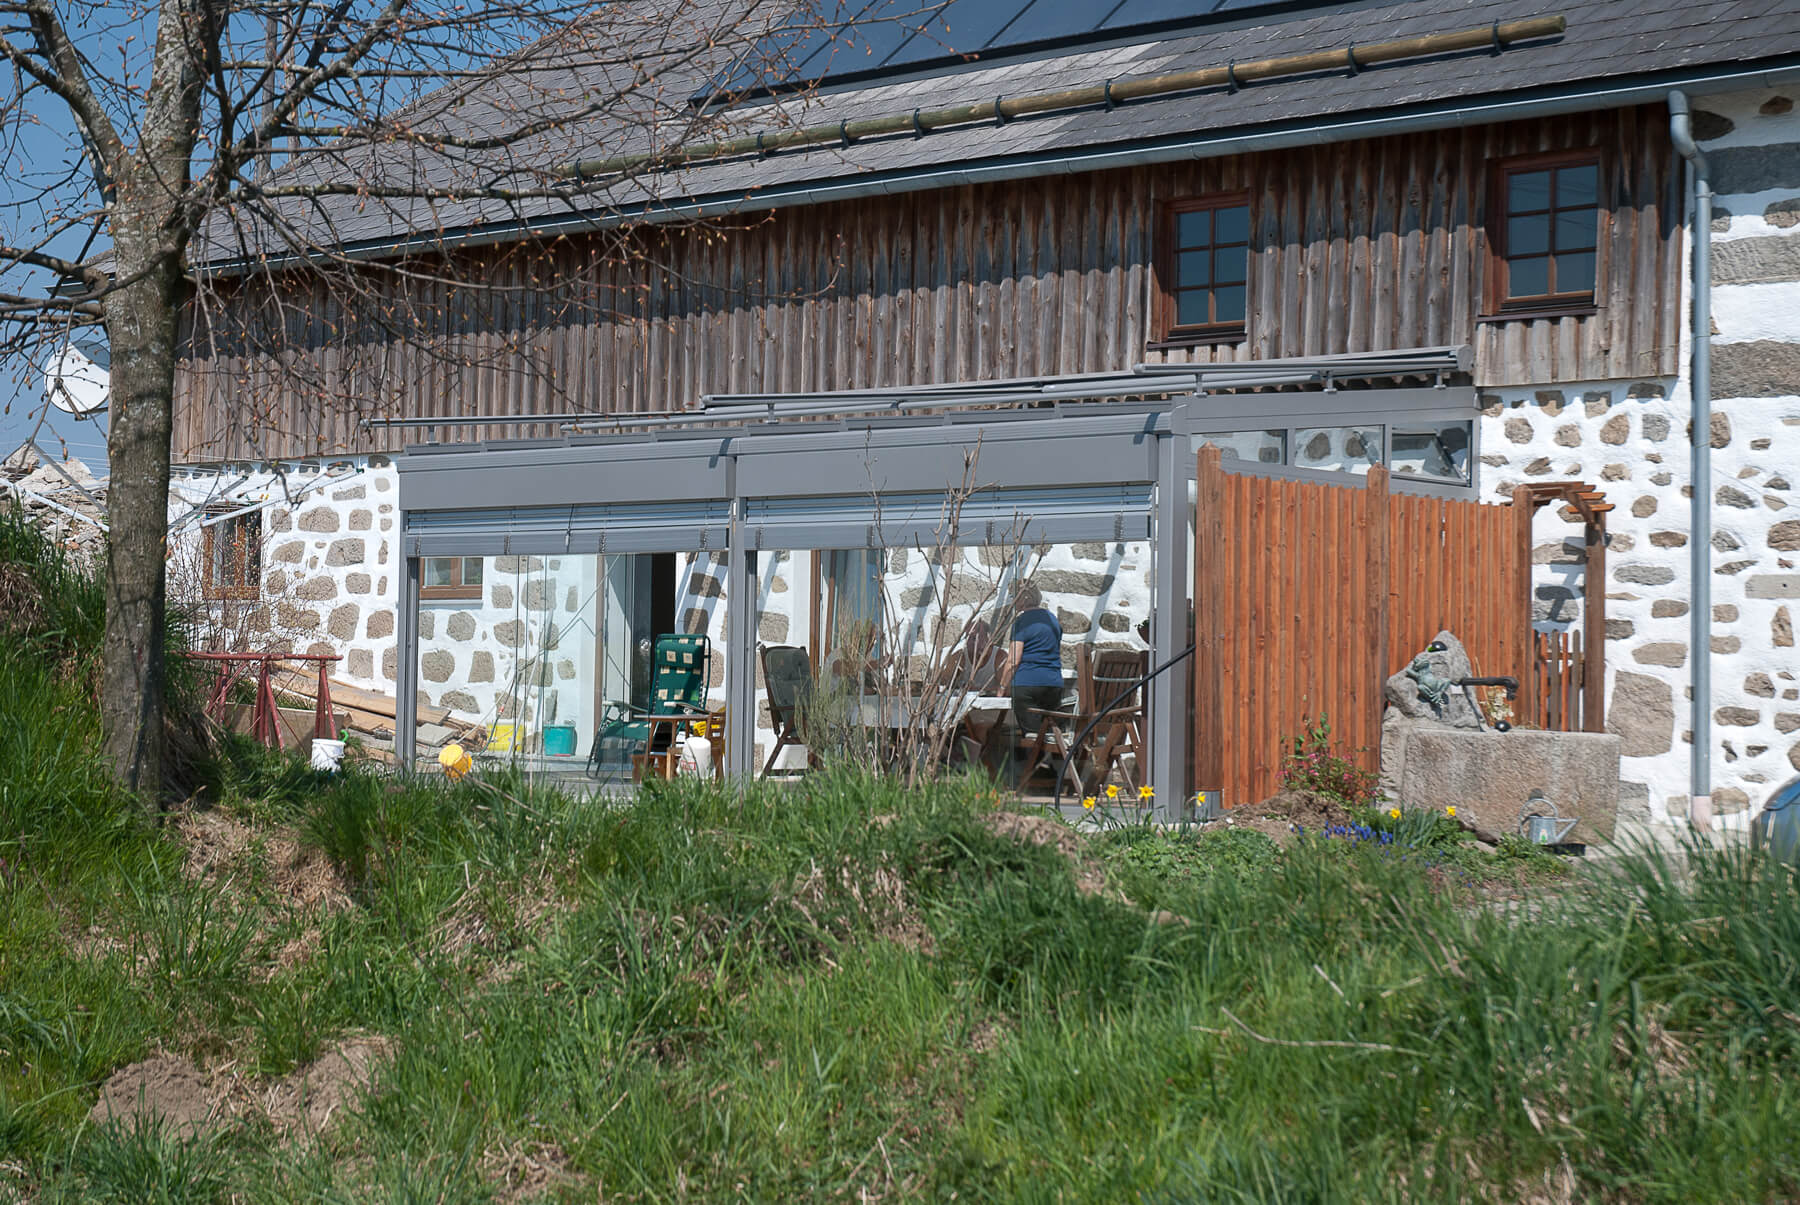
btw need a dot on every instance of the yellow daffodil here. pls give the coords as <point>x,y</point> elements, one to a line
<point>1394,813</point>
<point>1146,793</point>
<point>1089,803</point>
<point>1450,811</point>
<point>1112,790</point>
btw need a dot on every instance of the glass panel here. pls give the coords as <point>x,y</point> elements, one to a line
<point>1528,236</point>
<point>1232,224</point>
<point>1578,185</point>
<point>556,664</point>
<point>1528,277</point>
<point>1441,452</point>
<point>1527,191</point>
<point>1229,265</point>
<point>436,571</point>
<point>1228,304</point>
<point>1340,449</point>
<point>1190,308</point>
<point>1193,268</point>
<point>1576,229</point>
<point>1194,229</point>
<point>1262,447</point>
<point>1575,272</point>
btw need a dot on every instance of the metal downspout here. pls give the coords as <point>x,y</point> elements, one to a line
<point>1700,523</point>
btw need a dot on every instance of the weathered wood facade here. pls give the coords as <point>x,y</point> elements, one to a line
<point>1358,246</point>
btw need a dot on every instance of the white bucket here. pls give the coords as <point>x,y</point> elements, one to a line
<point>696,757</point>
<point>327,754</point>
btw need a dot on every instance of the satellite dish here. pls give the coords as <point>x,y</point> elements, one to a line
<point>77,378</point>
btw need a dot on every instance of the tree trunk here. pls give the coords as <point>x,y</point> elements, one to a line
<point>142,325</point>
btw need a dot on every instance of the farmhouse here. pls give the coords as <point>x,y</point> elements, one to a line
<point>1033,265</point>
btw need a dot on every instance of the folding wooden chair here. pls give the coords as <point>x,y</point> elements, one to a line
<point>788,676</point>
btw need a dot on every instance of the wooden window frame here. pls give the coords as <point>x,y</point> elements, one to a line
<point>245,580</point>
<point>457,590</point>
<point>1168,332</point>
<point>1497,306</point>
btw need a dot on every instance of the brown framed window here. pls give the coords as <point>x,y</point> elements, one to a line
<point>232,548</point>
<point>1204,268</point>
<point>450,577</point>
<point>1545,232</point>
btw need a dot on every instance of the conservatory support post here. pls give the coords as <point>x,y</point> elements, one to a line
<point>406,665</point>
<point>740,651</point>
<point>1169,631</point>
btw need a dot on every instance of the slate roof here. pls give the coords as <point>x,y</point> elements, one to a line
<point>1607,41</point>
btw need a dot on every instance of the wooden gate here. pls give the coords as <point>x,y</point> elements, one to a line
<point>1307,596</point>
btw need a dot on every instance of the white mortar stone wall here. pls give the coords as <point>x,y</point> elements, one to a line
<point>1631,439</point>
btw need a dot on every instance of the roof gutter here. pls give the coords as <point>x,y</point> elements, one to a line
<point>1681,133</point>
<point>1648,90</point>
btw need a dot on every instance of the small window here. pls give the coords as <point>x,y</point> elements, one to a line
<point>233,552</point>
<point>450,577</point>
<point>1546,232</point>
<point>1205,268</point>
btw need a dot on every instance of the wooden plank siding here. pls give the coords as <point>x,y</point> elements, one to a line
<point>1359,246</point>
<point>1332,589</point>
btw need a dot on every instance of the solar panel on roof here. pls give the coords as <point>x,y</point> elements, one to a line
<point>855,40</point>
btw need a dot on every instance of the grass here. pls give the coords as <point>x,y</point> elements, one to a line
<point>844,988</point>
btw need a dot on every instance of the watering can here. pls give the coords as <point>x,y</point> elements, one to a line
<point>1541,824</point>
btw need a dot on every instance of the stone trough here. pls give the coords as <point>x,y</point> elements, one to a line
<point>1438,755</point>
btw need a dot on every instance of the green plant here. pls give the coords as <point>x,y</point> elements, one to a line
<point>1314,765</point>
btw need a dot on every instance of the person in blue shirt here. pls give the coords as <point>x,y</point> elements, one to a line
<point>1034,665</point>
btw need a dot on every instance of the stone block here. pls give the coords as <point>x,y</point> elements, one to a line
<point>1759,686</point>
<point>1615,430</point>
<point>349,493</point>
<point>693,622</point>
<point>1724,613</point>
<point>280,520</point>
<point>1669,539</point>
<point>1759,368</point>
<point>1773,585</point>
<point>1729,800</point>
<point>1538,467</point>
<point>698,586</point>
<point>344,552</point>
<point>1113,621</point>
<point>1487,775</point>
<point>1073,622</point>
<point>1709,126</point>
<point>436,665</point>
<point>1730,495</point>
<point>361,520</point>
<point>360,663</point>
<point>1620,629</point>
<point>1786,722</point>
<point>1518,430</point>
<point>1641,714</point>
<point>1645,575</point>
<point>517,564</point>
<point>1775,106</point>
<point>1068,581</point>
<point>772,627</point>
<point>500,596</point>
<point>1768,168</point>
<point>460,700</point>
<point>1737,717</point>
<point>381,623</point>
<point>1781,629</point>
<point>1668,608</point>
<point>460,626</point>
<point>289,552</point>
<point>1785,536</point>
<point>316,589</point>
<point>510,633</point>
<point>1748,261</point>
<point>1656,427</point>
<point>481,666</point>
<point>275,582</point>
<point>1665,653</point>
<point>388,660</point>
<point>1725,644</point>
<point>427,624</point>
<point>296,618</point>
<point>1644,507</point>
<point>319,518</point>
<point>343,621</point>
<point>1568,435</point>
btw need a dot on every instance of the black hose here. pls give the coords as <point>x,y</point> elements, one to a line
<point>1075,745</point>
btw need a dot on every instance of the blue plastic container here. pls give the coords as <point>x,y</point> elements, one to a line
<point>1777,826</point>
<point>559,740</point>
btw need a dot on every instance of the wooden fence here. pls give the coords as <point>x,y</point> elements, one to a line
<point>1559,698</point>
<point>1307,596</point>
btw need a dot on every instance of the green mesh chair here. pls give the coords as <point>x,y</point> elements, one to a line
<point>678,675</point>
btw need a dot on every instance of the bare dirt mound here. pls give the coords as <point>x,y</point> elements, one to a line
<point>1307,809</point>
<point>1046,830</point>
<point>310,1099</point>
<point>220,847</point>
<point>167,1088</point>
<point>173,1090</point>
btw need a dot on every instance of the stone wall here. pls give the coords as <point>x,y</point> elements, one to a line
<point>1631,438</point>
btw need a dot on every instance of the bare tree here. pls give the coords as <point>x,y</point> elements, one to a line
<point>222,160</point>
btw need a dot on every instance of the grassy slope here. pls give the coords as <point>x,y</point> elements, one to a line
<point>774,997</point>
